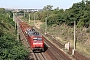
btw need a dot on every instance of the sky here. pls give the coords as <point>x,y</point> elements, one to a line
<point>37,4</point>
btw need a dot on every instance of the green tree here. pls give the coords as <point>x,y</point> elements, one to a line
<point>10,48</point>
<point>2,10</point>
<point>48,7</point>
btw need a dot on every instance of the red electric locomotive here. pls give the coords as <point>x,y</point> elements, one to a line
<point>35,39</point>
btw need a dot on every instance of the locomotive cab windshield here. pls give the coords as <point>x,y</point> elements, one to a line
<point>39,39</point>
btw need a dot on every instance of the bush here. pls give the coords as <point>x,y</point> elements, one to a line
<point>11,49</point>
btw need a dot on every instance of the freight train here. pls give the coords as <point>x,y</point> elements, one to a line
<point>35,39</point>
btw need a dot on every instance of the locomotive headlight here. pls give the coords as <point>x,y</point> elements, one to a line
<point>34,38</point>
<point>41,45</point>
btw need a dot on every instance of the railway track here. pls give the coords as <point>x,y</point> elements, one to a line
<point>77,55</point>
<point>55,53</point>
<point>55,41</point>
<point>39,56</point>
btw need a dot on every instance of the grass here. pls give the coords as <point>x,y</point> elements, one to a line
<point>88,30</point>
<point>85,50</point>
